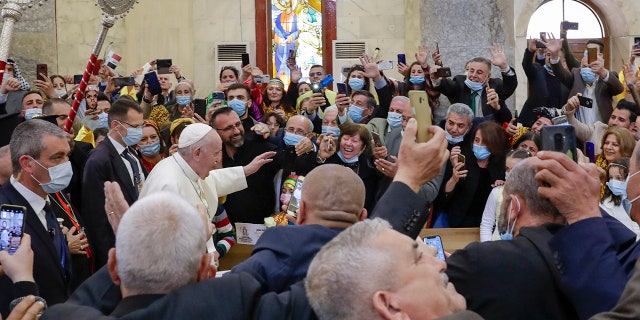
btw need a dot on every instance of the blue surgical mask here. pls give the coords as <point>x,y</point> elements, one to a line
<point>151,149</point>
<point>327,129</point>
<point>133,136</point>
<point>540,56</point>
<point>6,76</point>
<point>474,86</point>
<point>345,160</point>
<point>238,106</point>
<point>394,119</point>
<point>103,119</point>
<point>617,187</point>
<point>355,113</point>
<point>32,113</point>
<point>452,139</point>
<point>90,123</point>
<point>183,100</point>
<point>508,235</point>
<point>291,139</point>
<point>60,176</point>
<point>481,152</point>
<point>587,75</point>
<point>356,84</point>
<point>61,92</point>
<point>416,80</point>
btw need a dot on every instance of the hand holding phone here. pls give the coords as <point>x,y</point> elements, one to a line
<point>402,58</point>
<point>11,227</point>
<point>342,87</point>
<point>163,66</point>
<point>42,71</point>
<point>420,103</point>
<point>436,242</point>
<point>561,138</point>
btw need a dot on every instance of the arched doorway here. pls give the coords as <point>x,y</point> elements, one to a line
<point>550,14</point>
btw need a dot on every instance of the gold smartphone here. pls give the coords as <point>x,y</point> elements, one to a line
<point>592,54</point>
<point>422,113</point>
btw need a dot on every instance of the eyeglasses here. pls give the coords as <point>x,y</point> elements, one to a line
<point>230,128</point>
<point>316,74</point>
<point>132,126</point>
<point>299,132</point>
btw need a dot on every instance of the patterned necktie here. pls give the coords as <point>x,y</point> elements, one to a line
<point>134,167</point>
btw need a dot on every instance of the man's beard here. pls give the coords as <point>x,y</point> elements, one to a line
<point>238,143</point>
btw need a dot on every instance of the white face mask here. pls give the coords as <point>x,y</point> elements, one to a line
<point>60,176</point>
<point>627,184</point>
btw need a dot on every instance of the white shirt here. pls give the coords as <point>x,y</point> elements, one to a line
<point>36,202</point>
<point>619,213</point>
<point>591,115</point>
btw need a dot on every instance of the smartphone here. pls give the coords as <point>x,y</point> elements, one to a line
<point>316,87</point>
<point>438,51</point>
<point>11,227</point>
<point>96,67</point>
<point>543,37</point>
<point>443,72</point>
<point>422,110</point>
<point>560,120</point>
<point>402,59</point>
<point>77,78</point>
<point>376,139</point>
<point>636,44</point>
<point>385,65</point>
<point>561,138</point>
<point>245,59</point>
<point>294,204</point>
<point>590,151</point>
<point>262,79</point>
<point>41,68</point>
<point>463,159</point>
<point>569,25</point>
<point>585,102</point>
<point>292,57</point>
<point>436,242</point>
<point>218,95</point>
<point>592,54</point>
<point>124,82</point>
<point>163,65</point>
<point>200,107</point>
<point>151,79</point>
<point>342,87</point>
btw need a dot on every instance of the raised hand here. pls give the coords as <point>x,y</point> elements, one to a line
<point>422,55</point>
<point>498,58</point>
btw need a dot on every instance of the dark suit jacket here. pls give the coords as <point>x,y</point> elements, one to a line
<point>78,157</point>
<point>47,271</point>
<point>457,91</point>
<point>604,92</point>
<point>595,258</point>
<point>104,164</point>
<point>279,260</point>
<point>514,279</point>
<point>627,307</point>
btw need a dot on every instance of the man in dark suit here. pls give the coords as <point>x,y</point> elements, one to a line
<point>40,166</point>
<point>592,80</point>
<point>478,89</point>
<point>112,160</point>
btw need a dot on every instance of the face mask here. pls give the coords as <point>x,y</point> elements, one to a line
<point>356,84</point>
<point>32,113</point>
<point>345,160</point>
<point>546,67</point>
<point>327,129</point>
<point>474,86</point>
<point>61,92</point>
<point>103,119</point>
<point>355,113</point>
<point>416,80</point>
<point>541,56</point>
<point>285,197</point>
<point>133,136</point>
<point>238,106</point>
<point>291,139</point>
<point>481,152</point>
<point>6,76</point>
<point>60,177</point>
<point>508,235</point>
<point>183,100</point>
<point>626,183</point>
<point>452,139</point>
<point>90,123</point>
<point>587,75</point>
<point>617,187</point>
<point>151,149</point>
<point>394,119</point>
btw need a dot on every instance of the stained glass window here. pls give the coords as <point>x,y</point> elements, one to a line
<point>296,27</point>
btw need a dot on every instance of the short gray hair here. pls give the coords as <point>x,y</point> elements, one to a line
<point>160,243</point>
<point>462,110</point>
<point>28,139</point>
<point>522,181</point>
<point>336,285</point>
<point>307,120</point>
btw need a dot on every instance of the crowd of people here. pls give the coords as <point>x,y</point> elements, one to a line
<point>130,210</point>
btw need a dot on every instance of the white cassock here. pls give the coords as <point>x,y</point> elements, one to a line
<point>174,174</point>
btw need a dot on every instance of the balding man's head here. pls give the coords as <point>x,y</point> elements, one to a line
<point>333,196</point>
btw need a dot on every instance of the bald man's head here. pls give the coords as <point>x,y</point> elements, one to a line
<point>333,196</point>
